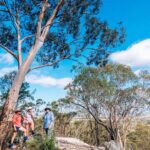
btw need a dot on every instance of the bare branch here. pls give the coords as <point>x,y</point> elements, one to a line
<point>50,20</point>
<point>51,24</point>
<point>11,15</point>
<point>27,37</point>
<point>96,119</point>
<point>9,51</point>
<point>48,65</point>
<point>75,60</point>
<point>40,18</point>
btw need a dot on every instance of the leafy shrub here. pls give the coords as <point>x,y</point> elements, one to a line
<point>42,143</point>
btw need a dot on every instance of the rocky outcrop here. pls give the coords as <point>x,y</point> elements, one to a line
<point>112,145</point>
<point>65,143</point>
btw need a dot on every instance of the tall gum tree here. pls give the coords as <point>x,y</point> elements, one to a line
<point>48,32</point>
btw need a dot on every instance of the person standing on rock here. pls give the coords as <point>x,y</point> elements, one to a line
<point>48,122</point>
<point>17,126</point>
<point>29,121</point>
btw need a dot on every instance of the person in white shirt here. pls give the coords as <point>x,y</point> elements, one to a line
<point>29,121</point>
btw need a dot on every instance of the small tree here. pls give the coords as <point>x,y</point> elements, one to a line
<point>112,95</point>
<point>63,115</point>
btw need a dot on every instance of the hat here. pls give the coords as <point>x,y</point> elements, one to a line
<point>47,109</point>
<point>17,110</point>
<point>29,108</point>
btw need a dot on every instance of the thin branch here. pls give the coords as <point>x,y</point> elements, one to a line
<point>11,15</point>
<point>50,20</point>
<point>51,24</point>
<point>27,37</point>
<point>48,65</point>
<point>4,10</point>
<point>40,18</point>
<point>75,60</point>
<point>96,119</point>
<point>9,51</point>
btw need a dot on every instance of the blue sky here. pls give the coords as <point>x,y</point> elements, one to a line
<point>135,15</point>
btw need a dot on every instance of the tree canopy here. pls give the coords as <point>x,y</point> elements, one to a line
<point>77,27</point>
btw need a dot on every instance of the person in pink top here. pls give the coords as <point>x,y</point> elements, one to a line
<point>17,126</point>
<point>29,121</point>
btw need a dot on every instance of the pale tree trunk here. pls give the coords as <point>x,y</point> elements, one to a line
<point>120,141</point>
<point>125,129</point>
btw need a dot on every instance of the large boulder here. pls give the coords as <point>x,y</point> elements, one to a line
<point>66,143</point>
<point>112,145</point>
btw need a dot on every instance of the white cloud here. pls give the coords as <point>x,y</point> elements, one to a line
<point>47,81</point>
<point>7,70</point>
<point>6,58</point>
<point>138,55</point>
<point>37,79</point>
<point>137,72</point>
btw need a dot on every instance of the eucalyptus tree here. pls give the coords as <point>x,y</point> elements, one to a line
<point>114,97</point>
<point>48,32</point>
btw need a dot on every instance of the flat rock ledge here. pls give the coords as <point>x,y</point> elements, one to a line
<point>67,143</point>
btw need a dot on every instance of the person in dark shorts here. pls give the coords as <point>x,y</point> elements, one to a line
<point>17,126</point>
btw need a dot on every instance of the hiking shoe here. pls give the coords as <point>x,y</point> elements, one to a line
<point>12,146</point>
<point>33,133</point>
<point>25,139</point>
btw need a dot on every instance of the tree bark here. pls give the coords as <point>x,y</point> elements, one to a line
<point>97,133</point>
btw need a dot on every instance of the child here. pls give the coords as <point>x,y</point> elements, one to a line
<point>17,126</point>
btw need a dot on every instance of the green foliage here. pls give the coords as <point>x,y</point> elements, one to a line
<point>76,28</point>
<point>42,143</point>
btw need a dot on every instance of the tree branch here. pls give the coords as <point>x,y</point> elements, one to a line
<point>9,51</point>
<point>16,23</point>
<point>19,41</point>
<point>50,20</point>
<point>11,15</point>
<point>40,18</point>
<point>27,37</point>
<point>75,60</point>
<point>96,119</point>
<point>48,65</point>
<point>2,10</point>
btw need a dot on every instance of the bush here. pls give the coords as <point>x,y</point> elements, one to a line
<point>42,143</point>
